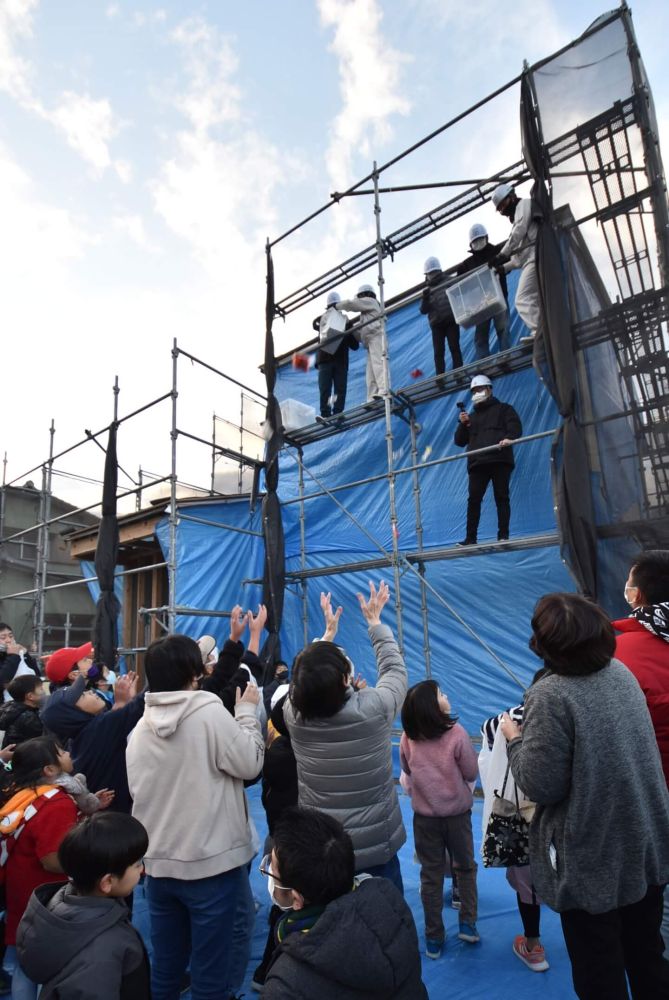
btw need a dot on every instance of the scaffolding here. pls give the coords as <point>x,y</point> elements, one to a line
<point>616,153</point>
<point>164,616</point>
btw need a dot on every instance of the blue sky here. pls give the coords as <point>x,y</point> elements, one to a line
<point>147,150</point>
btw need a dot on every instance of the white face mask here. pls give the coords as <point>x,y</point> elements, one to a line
<point>479,243</point>
<point>625,593</point>
<point>479,397</point>
<point>271,888</point>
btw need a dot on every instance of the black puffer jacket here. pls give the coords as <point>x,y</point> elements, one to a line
<point>435,303</point>
<point>489,423</point>
<point>279,770</point>
<point>485,256</point>
<point>363,947</point>
<point>20,723</point>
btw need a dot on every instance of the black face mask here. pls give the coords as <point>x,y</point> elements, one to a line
<point>510,209</point>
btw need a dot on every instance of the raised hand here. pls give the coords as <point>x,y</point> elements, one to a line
<point>256,625</point>
<point>251,695</point>
<point>371,609</point>
<point>105,797</point>
<point>125,688</point>
<point>238,623</point>
<point>331,620</point>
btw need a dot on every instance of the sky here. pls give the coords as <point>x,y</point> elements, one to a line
<point>147,151</point>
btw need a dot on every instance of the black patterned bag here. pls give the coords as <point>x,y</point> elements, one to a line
<point>507,837</point>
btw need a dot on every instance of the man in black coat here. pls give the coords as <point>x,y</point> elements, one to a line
<point>436,306</point>
<point>341,937</point>
<point>484,252</point>
<point>490,423</point>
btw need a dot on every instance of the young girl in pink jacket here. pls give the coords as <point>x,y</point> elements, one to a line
<point>439,767</point>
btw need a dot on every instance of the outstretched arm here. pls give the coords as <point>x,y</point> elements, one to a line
<point>331,620</point>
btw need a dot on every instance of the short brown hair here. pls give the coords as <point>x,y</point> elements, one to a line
<point>571,635</point>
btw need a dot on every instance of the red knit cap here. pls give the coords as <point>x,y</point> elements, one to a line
<point>63,661</point>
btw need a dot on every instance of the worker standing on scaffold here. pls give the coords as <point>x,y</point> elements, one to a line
<point>372,326</point>
<point>491,423</point>
<point>435,305</point>
<point>332,363</point>
<point>519,252</point>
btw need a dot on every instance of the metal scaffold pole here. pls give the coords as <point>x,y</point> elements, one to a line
<point>172,555</point>
<point>42,569</point>
<point>387,402</point>
<point>415,429</point>
<point>303,549</point>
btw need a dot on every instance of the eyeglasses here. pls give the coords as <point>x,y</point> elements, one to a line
<point>265,869</point>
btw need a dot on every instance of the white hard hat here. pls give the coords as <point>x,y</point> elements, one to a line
<point>332,298</point>
<point>501,192</point>
<point>480,381</point>
<point>431,264</point>
<point>366,288</point>
<point>477,231</point>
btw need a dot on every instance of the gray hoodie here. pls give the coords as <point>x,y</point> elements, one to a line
<point>81,947</point>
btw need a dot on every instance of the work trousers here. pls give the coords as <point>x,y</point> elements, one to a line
<point>607,950</point>
<point>527,297</point>
<point>433,836</point>
<point>479,477</point>
<point>332,379</point>
<point>442,333</point>
<point>376,376</point>
<point>482,335</point>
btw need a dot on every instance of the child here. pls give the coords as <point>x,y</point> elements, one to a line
<point>75,785</point>
<point>33,821</point>
<point>438,764</point>
<point>77,939</point>
<point>19,718</point>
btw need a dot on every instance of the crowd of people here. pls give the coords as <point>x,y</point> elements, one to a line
<point>96,796</point>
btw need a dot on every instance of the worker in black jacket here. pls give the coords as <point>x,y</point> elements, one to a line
<point>490,423</point>
<point>332,362</point>
<point>436,306</point>
<point>484,252</point>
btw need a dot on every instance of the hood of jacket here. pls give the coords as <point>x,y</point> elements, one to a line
<point>365,942</point>
<point>165,711</point>
<point>58,925</point>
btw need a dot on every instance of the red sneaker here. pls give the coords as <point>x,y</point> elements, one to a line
<point>535,959</point>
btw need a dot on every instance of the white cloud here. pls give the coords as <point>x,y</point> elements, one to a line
<point>370,75</point>
<point>123,170</point>
<point>16,17</point>
<point>132,225</point>
<point>113,10</point>
<point>89,126</point>
<point>212,98</point>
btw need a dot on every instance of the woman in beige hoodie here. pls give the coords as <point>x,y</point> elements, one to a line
<point>187,761</point>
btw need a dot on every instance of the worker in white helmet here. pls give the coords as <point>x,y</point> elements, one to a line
<point>332,362</point>
<point>436,306</point>
<point>370,329</point>
<point>482,252</point>
<point>491,423</point>
<point>519,252</point>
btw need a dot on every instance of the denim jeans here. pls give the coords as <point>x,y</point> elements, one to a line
<point>242,934</point>
<point>390,870</point>
<point>22,987</point>
<point>192,921</point>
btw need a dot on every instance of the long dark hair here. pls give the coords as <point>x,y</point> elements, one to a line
<point>422,718</point>
<point>28,763</point>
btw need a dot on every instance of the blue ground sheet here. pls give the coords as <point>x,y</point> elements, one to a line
<point>487,971</point>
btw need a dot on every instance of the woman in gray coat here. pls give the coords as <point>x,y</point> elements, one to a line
<point>599,841</point>
<point>341,737</point>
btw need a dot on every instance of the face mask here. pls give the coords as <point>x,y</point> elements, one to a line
<point>479,397</point>
<point>479,243</point>
<point>626,598</point>
<point>271,888</point>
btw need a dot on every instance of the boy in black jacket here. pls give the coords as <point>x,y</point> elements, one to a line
<point>77,939</point>
<point>491,423</point>
<point>19,718</point>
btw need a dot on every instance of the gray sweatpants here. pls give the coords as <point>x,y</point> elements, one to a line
<point>433,835</point>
